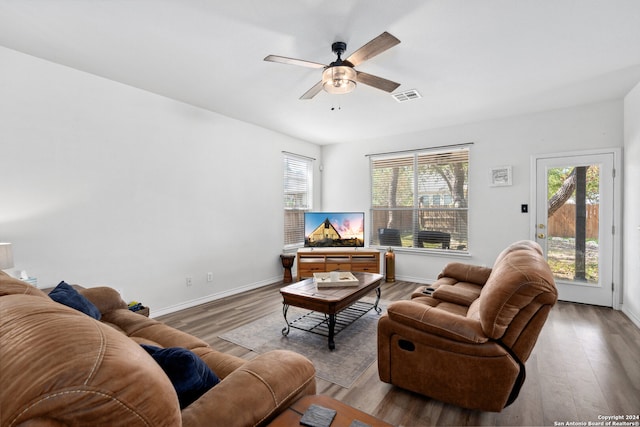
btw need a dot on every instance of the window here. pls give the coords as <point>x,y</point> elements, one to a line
<point>419,199</point>
<point>298,178</point>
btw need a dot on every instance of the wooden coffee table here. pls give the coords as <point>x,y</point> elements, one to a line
<point>344,417</point>
<point>330,306</point>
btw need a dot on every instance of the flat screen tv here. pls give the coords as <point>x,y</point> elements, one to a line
<point>334,229</point>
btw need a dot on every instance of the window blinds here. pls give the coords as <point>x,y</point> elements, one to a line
<point>298,173</point>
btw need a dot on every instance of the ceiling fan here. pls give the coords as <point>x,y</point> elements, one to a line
<point>340,76</point>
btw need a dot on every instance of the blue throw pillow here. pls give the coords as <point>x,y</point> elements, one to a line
<point>190,376</point>
<point>65,294</point>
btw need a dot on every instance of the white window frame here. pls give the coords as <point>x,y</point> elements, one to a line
<point>412,213</point>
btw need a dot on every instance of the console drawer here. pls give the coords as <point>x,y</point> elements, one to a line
<point>318,261</point>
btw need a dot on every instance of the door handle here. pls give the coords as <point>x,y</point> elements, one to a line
<point>541,226</point>
<point>541,236</point>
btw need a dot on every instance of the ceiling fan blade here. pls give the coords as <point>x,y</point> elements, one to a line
<point>292,61</point>
<point>375,47</point>
<point>377,82</point>
<point>313,91</point>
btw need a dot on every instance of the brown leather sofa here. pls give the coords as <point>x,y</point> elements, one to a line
<point>60,367</point>
<point>465,338</point>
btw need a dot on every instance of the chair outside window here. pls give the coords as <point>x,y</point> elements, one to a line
<point>389,237</point>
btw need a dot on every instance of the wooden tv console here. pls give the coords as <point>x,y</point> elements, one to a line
<point>317,260</point>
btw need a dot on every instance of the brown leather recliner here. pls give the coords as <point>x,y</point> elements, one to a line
<point>60,367</point>
<point>464,340</point>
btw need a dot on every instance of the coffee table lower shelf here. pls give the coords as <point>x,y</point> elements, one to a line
<point>320,323</point>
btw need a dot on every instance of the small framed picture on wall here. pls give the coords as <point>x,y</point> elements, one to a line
<point>500,176</point>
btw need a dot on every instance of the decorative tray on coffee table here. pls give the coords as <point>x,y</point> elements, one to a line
<point>335,279</point>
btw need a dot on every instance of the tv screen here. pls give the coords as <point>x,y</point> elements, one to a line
<point>334,229</point>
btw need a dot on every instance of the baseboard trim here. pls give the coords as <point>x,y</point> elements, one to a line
<point>249,287</point>
<point>213,297</point>
<point>632,316</point>
<point>421,280</point>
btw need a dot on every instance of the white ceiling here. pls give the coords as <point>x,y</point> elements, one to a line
<point>471,60</point>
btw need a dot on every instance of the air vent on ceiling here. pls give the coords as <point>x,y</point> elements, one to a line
<point>407,95</point>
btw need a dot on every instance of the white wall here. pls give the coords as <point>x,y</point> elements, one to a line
<point>495,220</point>
<point>103,183</point>
<point>631,236</point>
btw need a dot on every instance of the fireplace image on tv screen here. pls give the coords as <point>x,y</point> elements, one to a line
<point>334,229</point>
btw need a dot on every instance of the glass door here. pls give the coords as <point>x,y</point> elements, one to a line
<point>574,224</point>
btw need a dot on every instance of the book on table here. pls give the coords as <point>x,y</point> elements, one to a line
<point>334,279</point>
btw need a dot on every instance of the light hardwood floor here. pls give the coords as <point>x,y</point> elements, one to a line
<point>586,364</point>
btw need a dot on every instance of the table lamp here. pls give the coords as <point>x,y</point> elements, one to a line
<point>6,256</point>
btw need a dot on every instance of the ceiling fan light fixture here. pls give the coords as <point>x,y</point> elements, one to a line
<point>339,79</point>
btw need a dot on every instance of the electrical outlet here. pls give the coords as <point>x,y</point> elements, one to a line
<point>209,277</point>
<point>189,281</point>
